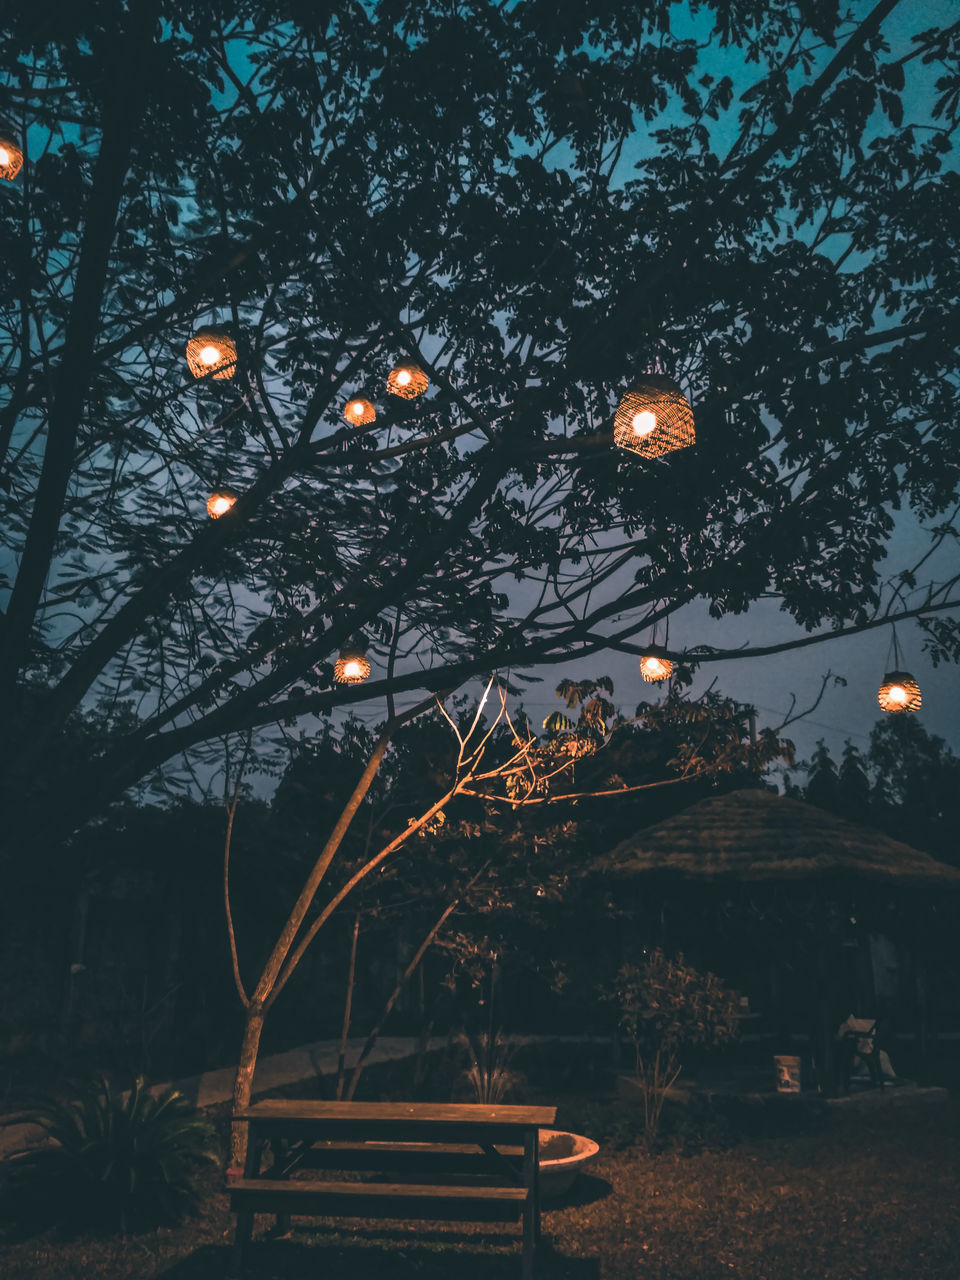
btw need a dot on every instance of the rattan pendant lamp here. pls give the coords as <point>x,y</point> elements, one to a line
<point>653,418</point>
<point>655,666</point>
<point>358,412</point>
<point>899,691</point>
<point>407,380</point>
<point>212,353</point>
<point>353,665</point>
<point>11,156</point>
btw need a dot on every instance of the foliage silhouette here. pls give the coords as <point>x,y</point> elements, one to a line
<point>120,1163</point>
<point>535,207</point>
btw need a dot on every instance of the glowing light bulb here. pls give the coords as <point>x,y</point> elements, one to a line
<point>219,503</point>
<point>653,666</point>
<point>357,409</point>
<point>644,422</point>
<point>210,355</point>
<point>4,155</point>
<point>403,377</point>
<point>897,693</point>
<point>352,670</point>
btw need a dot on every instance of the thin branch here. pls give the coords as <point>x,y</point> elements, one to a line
<point>227,840</point>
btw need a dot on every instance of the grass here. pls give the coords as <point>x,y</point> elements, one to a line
<point>857,1194</point>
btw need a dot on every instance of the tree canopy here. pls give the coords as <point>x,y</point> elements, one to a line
<point>535,204</point>
<point>907,785</point>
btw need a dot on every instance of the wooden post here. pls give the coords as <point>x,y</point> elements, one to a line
<point>923,1028</point>
<point>825,1054</point>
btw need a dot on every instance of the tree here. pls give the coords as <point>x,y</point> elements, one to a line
<point>916,786</point>
<point>533,205</point>
<point>907,785</point>
<point>823,779</point>
<point>495,764</point>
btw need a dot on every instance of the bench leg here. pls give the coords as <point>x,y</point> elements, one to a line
<point>241,1241</point>
<point>281,1158</point>
<point>528,1246</point>
<point>531,1206</point>
<point>251,1169</point>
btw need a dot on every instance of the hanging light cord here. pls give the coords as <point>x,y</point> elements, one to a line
<point>894,650</point>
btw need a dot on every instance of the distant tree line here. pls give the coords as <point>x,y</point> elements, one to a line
<point>906,783</point>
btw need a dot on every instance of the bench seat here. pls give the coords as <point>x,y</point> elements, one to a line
<point>378,1199</point>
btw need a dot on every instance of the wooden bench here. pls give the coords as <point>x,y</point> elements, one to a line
<point>464,1162</point>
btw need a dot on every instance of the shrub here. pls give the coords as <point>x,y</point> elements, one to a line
<point>120,1162</point>
<point>666,1005</point>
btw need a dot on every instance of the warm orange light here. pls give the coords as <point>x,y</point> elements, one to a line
<point>359,412</point>
<point>899,693</point>
<point>212,353</point>
<point>407,380</point>
<point>11,159</point>
<point>653,668</point>
<point>220,502</point>
<point>644,422</point>
<point>653,417</point>
<point>351,667</point>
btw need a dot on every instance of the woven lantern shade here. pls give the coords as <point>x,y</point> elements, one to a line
<point>352,666</point>
<point>11,158</point>
<point>359,412</point>
<point>212,352</point>
<point>220,502</point>
<point>655,667</point>
<point>899,692</point>
<point>407,380</point>
<point>653,418</point>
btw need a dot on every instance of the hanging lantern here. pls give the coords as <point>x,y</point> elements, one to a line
<point>407,380</point>
<point>352,666</point>
<point>653,418</point>
<point>359,412</point>
<point>899,692</point>
<point>655,666</point>
<point>11,158</point>
<point>220,502</point>
<point>212,353</point>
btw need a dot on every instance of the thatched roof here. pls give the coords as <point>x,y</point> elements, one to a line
<point>751,836</point>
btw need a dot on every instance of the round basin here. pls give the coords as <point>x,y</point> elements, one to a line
<point>562,1156</point>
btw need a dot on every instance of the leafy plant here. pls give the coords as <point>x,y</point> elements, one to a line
<point>122,1160</point>
<point>666,1005</point>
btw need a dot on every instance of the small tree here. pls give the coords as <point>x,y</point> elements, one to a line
<point>667,1005</point>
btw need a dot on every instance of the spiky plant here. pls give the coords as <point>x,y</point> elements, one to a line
<point>487,1075</point>
<point>119,1161</point>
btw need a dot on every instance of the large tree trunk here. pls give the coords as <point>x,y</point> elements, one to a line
<point>243,1086</point>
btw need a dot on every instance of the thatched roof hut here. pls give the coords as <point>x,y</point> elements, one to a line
<point>750,837</point>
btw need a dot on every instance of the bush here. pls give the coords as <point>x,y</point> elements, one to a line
<point>667,1005</point>
<point>118,1163</point>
